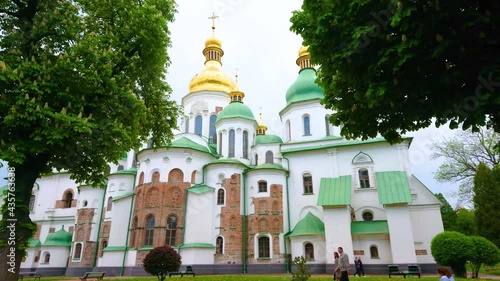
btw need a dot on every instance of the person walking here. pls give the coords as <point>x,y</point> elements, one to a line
<point>361,270</point>
<point>343,265</point>
<point>357,267</point>
<point>336,270</point>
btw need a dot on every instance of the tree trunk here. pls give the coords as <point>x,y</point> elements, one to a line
<point>460,270</point>
<point>16,226</point>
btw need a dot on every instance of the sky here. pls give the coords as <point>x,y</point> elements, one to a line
<point>257,40</point>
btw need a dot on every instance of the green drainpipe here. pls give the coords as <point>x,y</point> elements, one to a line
<point>128,231</point>
<point>288,216</point>
<point>99,228</point>
<point>245,220</point>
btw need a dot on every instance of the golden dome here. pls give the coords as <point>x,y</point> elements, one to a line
<point>213,41</point>
<point>304,51</point>
<point>212,78</point>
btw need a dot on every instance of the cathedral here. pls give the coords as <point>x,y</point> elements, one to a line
<point>231,198</point>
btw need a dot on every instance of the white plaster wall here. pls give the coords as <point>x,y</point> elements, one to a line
<point>427,223</point>
<point>131,258</point>
<point>58,256</point>
<point>197,256</point>
<point>320,250</point>
<point>199,215</point>
<point>401,233</point>
<point>210,100</point>
<point>337,232</point>
<point>381,241</point>
<point>119,185</point>
<point>317,114</point>
<point>238,125</point>
<point>261,151</point>
<point>51,189</point>
<point>271,176</point>
<point>111,258</point>
<point>30,258</point>
<point>120,222</point>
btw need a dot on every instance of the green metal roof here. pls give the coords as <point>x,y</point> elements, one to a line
<point>200,188</point>
<point>268,166</point>
<point>393,187</point>
<point>122,196</point>
<point>197,245</point>
<point>131,171</point>
<point>309,225</point>
<point>225,161</point>
<point>335,191</point>
<point>187,143</point>
<point>34,243</point>
<point>304,88</point>
<point>58,238</point>
<point>369,227</point>
<point>332,145</point>
<point>263,139</point>
<point>114,248</point>
<point>235,110</point>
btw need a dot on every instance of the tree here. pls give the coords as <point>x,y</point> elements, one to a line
<point>388,67</point>
<point>302,273</point>
<point>462,154</point>
<point>466,222</point>
<point>484,252</point>
<point>453,249</point>
<point>81,81</point>
<point>486,202</point>
<point>448,215</point>
<point>162,260</point>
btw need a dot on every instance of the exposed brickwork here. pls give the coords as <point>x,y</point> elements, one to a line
<point>421,252</point>
<point>82,232</point>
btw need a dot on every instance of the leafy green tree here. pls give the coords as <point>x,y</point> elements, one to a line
<point>484,252</point>
<point>462,154</point>
<point>162,260</point>
<point>302,272</point>
<point>389,67</point>
<point>448,215</point>
<point>81,81</point>
<point>466,222</point>
<point>452,249</point>
<point>486,202</point>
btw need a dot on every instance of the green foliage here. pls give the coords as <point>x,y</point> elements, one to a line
<point>302,273</point>
<point>484,252</point>
<point>448,215</point>
<point>466,222</point>
<point>462,154</point>
<point>486,202</point>
<point>388,67</point>
<point>162,260</point>
<point>453,249</point>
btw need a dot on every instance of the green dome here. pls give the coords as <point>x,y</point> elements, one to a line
<point>261,139</point>
<point>58,238</point>
<point>304,88</point>
<point>236,110</point>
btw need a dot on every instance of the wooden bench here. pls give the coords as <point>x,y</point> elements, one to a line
<point>394,270</point>
<point>412,270</point>
<point>31,274</point>
<point>96,275</point>
<point>189,271</point>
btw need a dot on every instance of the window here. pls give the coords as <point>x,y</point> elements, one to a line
<point>364,179</point>
<point>78,251</point>
<point>52,230</point>
<point>262,186</point>
<point>231,143</point>
<point>171,230</point>
<point>186,125</point>
<point>212,135</point>
<point>219,242</point>
<point>327,126</point>
<point>133,233</point>
<point>104,244</point>
<point>220,143</point>
<point>256,159</point>
<point>198,123</point>
<point>288,130</point>
<point>309,251</point>
<point>308,184</point>
<point>307,128</point>
<point>46,259</point>
<point>85,203</point>
<point>110,204</point>
<point>155,177</point>
<point>220,197</point>
<point>141,178</point>
<point>367,216</point>
<point>245,144</point>
<point>120,168</point>
<point>374,252</point>
<point>68,199</point>
<point>150,229</point>
<point>32,203</point>
<point>264,247</point>
<point>269,157</point>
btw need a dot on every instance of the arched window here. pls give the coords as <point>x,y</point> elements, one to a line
<point>269,157</point>
<point>46,259</point>
<point>171,230</point>
<point>219,242</point>
<point>231,143</point>
<point>120,168</point>
<point>288,132</point>
<point>150,231</point>
<point>32,203</point>
<point>198,125</point>
<point>193,177</point>
<point>85,203</point>
<point>212,134</point>
<point>68,199</point>
<point>110,204</point>
<point>104,244</point>
<point>220,197</point>
<point>264,247</point>
<point>133,233</point>
<point>186,125</point>
<point>307,125</point>
<point>245,144</point>
<point>141,178</point>
<point>220,143</point>
<point>374,252</point>
<point>262,186</point>
<point>78,251</point>
<point>256,159</point>
<point>309,251</point>
<point>327,126</point>
<point>307,183</point>
<point>155,177</point>
<point>367,216</point>
<point>364,179</point>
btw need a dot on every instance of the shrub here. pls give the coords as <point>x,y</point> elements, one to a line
<point>162,260</point>
<point>453,249</point>
<point>484,252</point>
<point>302,273</point>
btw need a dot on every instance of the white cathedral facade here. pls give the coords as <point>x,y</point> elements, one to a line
<point>232,199</point>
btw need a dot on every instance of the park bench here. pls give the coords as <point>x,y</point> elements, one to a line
<point>411,271</point>
<point>394,270</point>
<point>189,271</point>
<point>95,275</point>
<point>31,274</point>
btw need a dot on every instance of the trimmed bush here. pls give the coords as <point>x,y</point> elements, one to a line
<point>162,260</point>
<point>484,252</point>
<point>453,249</point>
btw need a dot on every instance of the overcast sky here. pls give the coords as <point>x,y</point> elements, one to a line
<point>256,39</point>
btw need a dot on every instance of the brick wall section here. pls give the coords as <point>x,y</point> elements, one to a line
<point>82,231</point>
<point>160,199</point>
